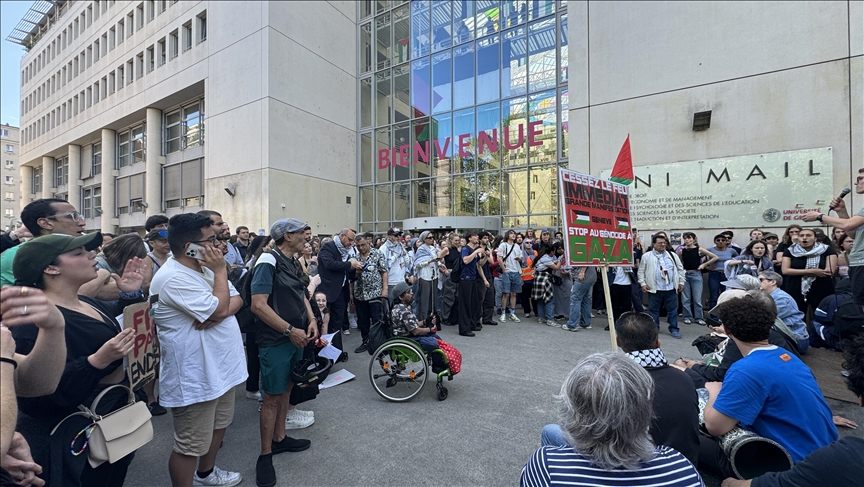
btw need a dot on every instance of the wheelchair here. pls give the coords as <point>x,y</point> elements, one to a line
<point>400,369</point>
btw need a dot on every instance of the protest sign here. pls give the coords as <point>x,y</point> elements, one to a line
<point>596,220</point>
<point>144,357</point>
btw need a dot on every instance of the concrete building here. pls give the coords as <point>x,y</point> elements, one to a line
<point>439,113</point>
<point>133,108</point>
<point>12,185</point>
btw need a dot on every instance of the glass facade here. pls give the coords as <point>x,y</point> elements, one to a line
<point>462,110</point>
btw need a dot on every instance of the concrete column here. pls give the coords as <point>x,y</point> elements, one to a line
<point>74,186</point>
<point>153,160</point>
<point>48,177</point>
<point>25,188</point>
<point>109,163</point>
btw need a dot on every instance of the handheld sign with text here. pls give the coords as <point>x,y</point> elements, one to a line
<point>596,220</point>
<point>144,357</point>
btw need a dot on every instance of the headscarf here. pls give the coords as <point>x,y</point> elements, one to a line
<point>424,252</point>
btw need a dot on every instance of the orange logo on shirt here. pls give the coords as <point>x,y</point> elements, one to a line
<point>785,357</point>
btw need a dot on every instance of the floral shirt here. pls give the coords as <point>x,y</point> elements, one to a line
<point>369,283</point>
<point>404,321</point>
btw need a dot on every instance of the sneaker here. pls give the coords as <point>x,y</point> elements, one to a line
<point>687,321</point>
<point>514,318</point>
<point>542,321</point>
<point>586,327</point>
<point>253,395</point>
<point>362,348</point>
<point>503,318</point>
<point>565,327</point>
<point>675,334</point>
<point>346,332</point>
<point>701,322</point>
<point>218,477</point>
<point>265,474</point>
<point>592,315</point>
<point>308,414</point>
<point>552,323</point>
<point>527,315</point>
<point>295,420</point>
<point>156,409</point>
<point>289,444</point>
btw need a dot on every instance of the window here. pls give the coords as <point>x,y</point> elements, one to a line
<point>104,44</point>
<point>130,72</point>
<point>193,129</point>
<point>112,80</point>
<point>121,32</point>
<point>151,61</point>
<point>8,213</point>
<point>202,26</point>
<point>112,38</point>
<point>89,97</point>
<point>151,10</point>
<point>89,55</point>
<point>187,36</point>
<point>139,68</point>
<point>96,50</point>
<point>130,24</point>
<point>140,15</point>
<point>10,148</point>
<point>123,158</point>
<point>104,86</point>
<point>91,199</point>
<point>162,51</point>
<point>163,4</point>
<point>61,171</point>
<point>10,195</point>
<point>173,44</point>
<point>9,179</point>
<point>120,77</point>
<point>183,184</point>
<point>36,183</point>
<point>130,194</point>
<point>131,146</point>
<point>10,164</point>
<point>172,132</point>
<point>97,158</point>
<point>96,92</point>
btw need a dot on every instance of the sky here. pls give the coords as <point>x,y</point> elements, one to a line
<point>11,13</point>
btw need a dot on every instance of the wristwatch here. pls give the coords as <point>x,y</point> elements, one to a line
<point>819,218</point>
<point>288,330</point>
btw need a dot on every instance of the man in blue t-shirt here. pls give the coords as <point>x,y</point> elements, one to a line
<point>769,391</point>
<point>473,256</point>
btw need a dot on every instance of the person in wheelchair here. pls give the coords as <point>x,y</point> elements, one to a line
<point>405,323</point>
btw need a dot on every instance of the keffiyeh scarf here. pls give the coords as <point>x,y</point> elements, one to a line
<point>649,358</point>
<point>345,253</point>
<point>813,256</point>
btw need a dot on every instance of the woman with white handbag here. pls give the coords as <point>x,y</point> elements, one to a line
<point>80,449</point>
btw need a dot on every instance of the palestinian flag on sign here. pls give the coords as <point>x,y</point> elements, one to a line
<point>581,218</point>
<point>623,224</point>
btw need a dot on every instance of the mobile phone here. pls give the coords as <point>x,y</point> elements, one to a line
<point>194,251</point>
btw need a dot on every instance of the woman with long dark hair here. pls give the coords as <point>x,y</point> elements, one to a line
<point>808,270</point>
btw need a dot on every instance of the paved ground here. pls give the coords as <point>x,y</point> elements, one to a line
<point>481,435</point>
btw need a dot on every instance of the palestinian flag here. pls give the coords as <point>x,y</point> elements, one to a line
<point>622,171</point>
<point>623,224</point>
<point>581,218</point>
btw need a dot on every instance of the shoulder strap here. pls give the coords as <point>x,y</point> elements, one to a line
<point>512,247</point>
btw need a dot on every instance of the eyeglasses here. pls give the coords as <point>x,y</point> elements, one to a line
<point>74,215</point>
<point>764,279</point>
<point>212,241</point>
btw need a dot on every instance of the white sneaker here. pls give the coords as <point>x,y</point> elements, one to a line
<point>308,414</point>
<point>542,321</point>
<point>296,420</point>
<point>346,332</point>
<point>552,323</point>
<point>218,477</point>
<point>503,318</point>
<point>515,318</point>
<point>253,395</point>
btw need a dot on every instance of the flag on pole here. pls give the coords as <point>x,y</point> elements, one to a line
<point>622,172</point>
<point>581,218</point>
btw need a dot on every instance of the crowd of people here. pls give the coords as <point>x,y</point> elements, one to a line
<point>62,345</point>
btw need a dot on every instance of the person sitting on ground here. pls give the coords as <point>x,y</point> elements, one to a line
<point>605,411</point>
<point>769,391</point>
<point>841,462</point>
<point>676,405</point>
<point>405,322</point>
<point>787,309</point>
<point>836,318</point>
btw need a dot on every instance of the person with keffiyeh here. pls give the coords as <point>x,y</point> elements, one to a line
<point>426,260</point>
<point>808,269</point>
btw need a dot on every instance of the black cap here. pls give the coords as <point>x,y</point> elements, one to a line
<point>394,231</point>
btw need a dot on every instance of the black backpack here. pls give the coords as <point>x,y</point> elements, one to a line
<point>848,318</point>
<point>245,318</point>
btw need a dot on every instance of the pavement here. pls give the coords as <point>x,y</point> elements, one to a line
<point>481,435</point>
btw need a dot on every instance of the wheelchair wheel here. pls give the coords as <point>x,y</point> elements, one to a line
<point>442,392</point>
<point>398,370</point>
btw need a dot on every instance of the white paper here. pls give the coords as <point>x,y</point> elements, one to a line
<point>329,351</point>
<point>336,378</point>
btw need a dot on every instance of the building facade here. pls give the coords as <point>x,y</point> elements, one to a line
<point>378,113</point>
<point>11,180</point>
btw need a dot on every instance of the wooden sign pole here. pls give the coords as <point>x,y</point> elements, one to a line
<point>609,314</point>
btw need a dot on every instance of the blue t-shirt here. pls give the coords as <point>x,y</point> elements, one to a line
<point>772,393</point>
<point>722,256</point>
<point>469,271</point>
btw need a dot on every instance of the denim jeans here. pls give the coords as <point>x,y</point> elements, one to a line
<point>497,285</point>
<point>546,310</point>
<point>693,295</point>
<point>580,304</point>
<point>670,300</point>
<point>714,287</point>
<point>552,435</point>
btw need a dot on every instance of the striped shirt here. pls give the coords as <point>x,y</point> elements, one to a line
<point>552,466</point>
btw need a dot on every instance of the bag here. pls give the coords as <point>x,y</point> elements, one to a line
<point>115,435</point>
<point>556,280</point>
<point>848,319</point>
<point>382,329</point>
<point>245,318</point>
<point>454,358</point>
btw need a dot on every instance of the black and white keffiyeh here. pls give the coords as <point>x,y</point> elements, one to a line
<point>649,358</point>
<point>813,256</point>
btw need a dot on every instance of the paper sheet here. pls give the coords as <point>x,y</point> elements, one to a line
<point>330,351</point>
<point>336,378</point>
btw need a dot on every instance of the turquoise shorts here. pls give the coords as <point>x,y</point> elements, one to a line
<point>276,365</point>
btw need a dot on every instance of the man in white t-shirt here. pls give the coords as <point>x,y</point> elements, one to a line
<point>510,269</point>
<point>202,357</point>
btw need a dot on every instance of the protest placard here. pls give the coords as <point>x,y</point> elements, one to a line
<point>596,220</point>
<point>144,357</point>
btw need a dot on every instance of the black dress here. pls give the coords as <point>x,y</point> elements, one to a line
<point>820,288</point>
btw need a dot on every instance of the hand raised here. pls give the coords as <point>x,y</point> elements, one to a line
<point>115,348</point>
<point>39,310</point>
<point>133,276</point>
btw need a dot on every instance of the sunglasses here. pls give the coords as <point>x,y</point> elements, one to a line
<point>763,279</point>
<point>162,233</point>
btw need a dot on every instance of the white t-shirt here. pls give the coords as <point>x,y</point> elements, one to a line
<point>513,262</point>
<point>196,366</point>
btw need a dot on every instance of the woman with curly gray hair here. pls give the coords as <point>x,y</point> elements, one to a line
<point>604,412</point>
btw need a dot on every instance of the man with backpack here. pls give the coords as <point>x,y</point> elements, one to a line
<point>837,318</point>
<point>287,325</point>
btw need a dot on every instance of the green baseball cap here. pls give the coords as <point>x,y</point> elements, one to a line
<point>33,257</point>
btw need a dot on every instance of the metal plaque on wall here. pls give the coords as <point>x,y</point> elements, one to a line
<point>759,190</point>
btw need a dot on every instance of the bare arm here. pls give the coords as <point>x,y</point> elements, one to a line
<point>8,401</point>
<point>716,423</point>
<point>711,257</point>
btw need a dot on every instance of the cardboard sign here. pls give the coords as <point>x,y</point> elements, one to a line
<point>144,357</point>
<point>596,220</point>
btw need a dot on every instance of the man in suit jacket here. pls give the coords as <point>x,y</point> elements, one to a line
<point>336,268</point>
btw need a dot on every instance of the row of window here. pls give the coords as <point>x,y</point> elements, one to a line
<point>157,55</point>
